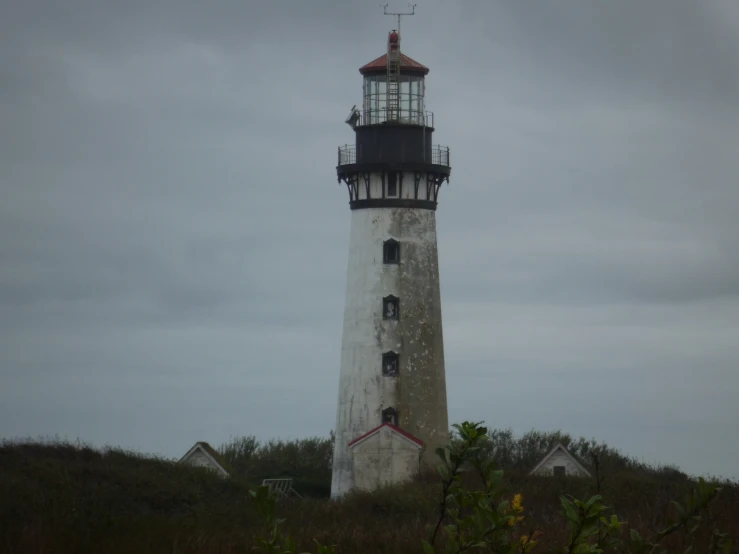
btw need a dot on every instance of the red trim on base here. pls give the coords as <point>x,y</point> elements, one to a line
<point>398,430</point>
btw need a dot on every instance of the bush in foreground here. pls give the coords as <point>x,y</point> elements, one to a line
<point>61,498</point>
<point>487,519</point>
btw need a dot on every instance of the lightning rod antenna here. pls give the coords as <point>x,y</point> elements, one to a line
<point>399,14</point>
<point>392,108</point>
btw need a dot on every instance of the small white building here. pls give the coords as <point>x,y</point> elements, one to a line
<point>204,455</point>
<point>560,462</point>
<point>384,456</point>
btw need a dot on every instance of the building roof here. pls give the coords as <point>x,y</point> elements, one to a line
<point>393,428</point>
<point>407,65</point>
<point>560,447</point>
<point>215,458</point>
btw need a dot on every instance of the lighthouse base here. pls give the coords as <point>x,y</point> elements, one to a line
<point>385,456</point>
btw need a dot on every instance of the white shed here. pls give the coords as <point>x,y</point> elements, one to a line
<point>385,455</point>
<point>560,462</point>
<point>204,455</point>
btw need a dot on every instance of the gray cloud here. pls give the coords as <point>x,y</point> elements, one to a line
<point>173,233</point>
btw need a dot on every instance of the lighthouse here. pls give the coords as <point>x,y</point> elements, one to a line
<point>392,406</point>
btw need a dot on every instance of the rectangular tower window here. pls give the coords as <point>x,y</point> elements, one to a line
<point>392,183</point>
<point>559,471</point>
<point>390,415</point>
<point>390,364</point>
<point>391,252</point>
<point>390,307</point>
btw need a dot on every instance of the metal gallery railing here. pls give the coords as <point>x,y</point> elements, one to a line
<point>377,116</point>
<point>347,155</point>
<point>439,156</point>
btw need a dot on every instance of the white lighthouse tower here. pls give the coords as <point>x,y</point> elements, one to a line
<point>392,408</point>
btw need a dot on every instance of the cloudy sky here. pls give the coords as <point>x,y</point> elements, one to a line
<point>173,241</point>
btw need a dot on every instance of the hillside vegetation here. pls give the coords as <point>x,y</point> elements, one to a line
<point>69,498</point>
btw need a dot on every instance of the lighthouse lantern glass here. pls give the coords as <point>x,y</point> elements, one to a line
<point>411,92</point>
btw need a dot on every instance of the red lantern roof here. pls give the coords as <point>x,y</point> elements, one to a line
<point>407,65</point>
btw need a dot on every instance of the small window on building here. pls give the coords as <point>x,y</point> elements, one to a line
<point>392,183</point>
<point>391,251</point>
<point>390,415</point>
<point>390,307</point>
<point>559,471</point>
<point>390,364</point>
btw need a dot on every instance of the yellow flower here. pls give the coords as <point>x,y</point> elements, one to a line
<point>516,503</point>
<point>516,507</point>
<point>513,520</point>
<point>528,543</point>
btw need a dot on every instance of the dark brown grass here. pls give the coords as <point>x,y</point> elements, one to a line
<point>61,498</point>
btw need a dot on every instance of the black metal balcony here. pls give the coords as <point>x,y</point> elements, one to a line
<point>438,155</point>
<point>347,154</point>
<point>400,116</point>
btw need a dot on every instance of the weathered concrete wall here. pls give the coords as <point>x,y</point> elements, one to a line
<point>384,458</point>
<point>559,458</point>
<point>419,391</point>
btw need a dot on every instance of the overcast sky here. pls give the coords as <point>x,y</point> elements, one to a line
<point>173,241</point>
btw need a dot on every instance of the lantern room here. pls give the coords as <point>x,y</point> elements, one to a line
<point>403,80</point>
<point>392,127</point>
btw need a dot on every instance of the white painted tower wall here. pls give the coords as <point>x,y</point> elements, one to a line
<point>419,391</point>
